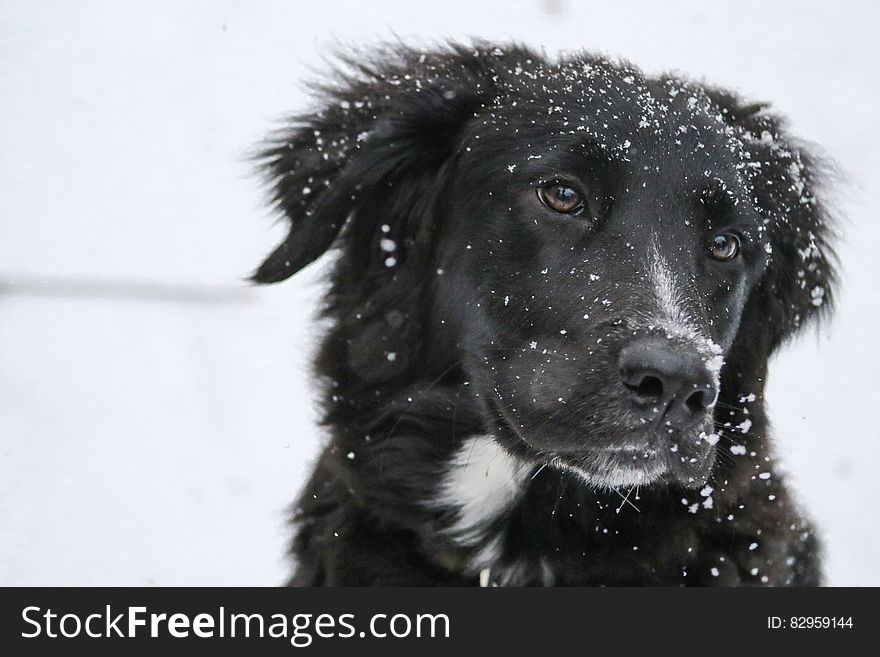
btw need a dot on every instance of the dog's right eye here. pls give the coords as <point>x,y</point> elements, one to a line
<point>724,247</point>
<point>561,197</point>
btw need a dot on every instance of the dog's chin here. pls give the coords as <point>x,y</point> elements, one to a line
<point>624,467</point>
<point>614,468</point>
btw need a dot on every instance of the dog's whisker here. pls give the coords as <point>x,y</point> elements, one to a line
<point>538,471</point>
<point>625,499</point>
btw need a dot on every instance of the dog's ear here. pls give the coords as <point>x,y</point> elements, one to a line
<point>371,154</point>
<point>788,185</point>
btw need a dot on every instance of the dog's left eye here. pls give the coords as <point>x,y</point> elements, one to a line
<point>561,197</point>
<point>724,247</point>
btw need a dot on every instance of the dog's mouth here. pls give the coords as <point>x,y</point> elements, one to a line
<point>616,467</point>
<point>636,457</point>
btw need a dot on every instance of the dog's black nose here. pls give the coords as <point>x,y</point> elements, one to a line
<point>666,379</point>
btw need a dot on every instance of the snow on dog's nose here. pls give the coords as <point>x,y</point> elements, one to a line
<point>667,382</point>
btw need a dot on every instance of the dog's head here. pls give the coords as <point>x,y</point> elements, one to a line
<point>592,248</point>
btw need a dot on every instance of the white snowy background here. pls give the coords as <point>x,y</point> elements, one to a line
<point>157,414</point>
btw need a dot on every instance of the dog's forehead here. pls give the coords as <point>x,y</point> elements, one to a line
<point>617,108</point>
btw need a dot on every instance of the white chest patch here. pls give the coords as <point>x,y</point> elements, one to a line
<point>481,483</point>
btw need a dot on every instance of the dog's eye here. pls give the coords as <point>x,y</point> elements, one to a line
<point>724,247</point>
<point>561,197</point>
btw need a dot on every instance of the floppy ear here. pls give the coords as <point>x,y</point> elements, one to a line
<point>788,183</point>
<point>370,156</point>
<point>798,285</point>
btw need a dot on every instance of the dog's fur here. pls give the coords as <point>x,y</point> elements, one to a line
<point>469,372</point>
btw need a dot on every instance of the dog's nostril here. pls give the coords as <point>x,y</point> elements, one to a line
<point>697,401</point>
<point>650,388</point>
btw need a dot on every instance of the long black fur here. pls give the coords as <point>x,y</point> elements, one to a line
<point>424,148</point>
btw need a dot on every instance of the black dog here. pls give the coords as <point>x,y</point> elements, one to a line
<point>558,287</point>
